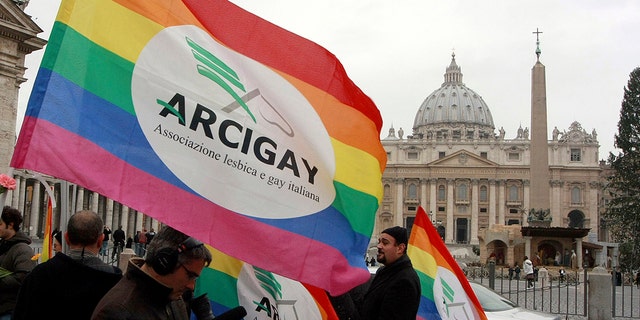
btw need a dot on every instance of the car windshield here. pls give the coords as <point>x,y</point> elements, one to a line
<point>491,301</point>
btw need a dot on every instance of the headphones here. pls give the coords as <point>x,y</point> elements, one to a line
<point>165,260</point>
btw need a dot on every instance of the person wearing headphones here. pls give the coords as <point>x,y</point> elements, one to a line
<point>69,285</point>
<point>153,287</point>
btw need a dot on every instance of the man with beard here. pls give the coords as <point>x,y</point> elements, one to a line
<point>395,290</point>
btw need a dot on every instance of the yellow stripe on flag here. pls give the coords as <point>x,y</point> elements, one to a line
<point>224,263</point>
<point>357,169</point>
<point>110,26</point>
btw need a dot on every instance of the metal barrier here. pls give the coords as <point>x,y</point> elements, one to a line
<point>625,298</point>
<point>564,296</point>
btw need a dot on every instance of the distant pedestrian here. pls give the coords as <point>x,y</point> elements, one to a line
<point>118,242</point>
<point>150,235</point>
<point>105,244</point>
<point>527,267</point>
<point>57,241</point>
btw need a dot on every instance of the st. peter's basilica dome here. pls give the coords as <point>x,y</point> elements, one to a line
<point>453,111</point>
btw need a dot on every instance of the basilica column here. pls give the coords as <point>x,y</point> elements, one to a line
<point>22,187</point>
<point>399,202</point>
<point>492,202</point>
<point>94,202</point>
<point>139,217</point>
<point>433,198</point>
<point>13,201</point>
<point>80,199</point>
<point>155,224</point>
<point>527,246</point>
<point>450,209</point>
<point>501,201</point>
<point>109,214</point>
<point>593,210</point>
<point>124,221</point>
<point>579,251</point>
<point>527,203</point>
<point>556,198</point>
<point>423,193</point>
<point>35,209</point>
<point>474,212</point>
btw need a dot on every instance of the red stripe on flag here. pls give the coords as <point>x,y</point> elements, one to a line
<point>281,49</point>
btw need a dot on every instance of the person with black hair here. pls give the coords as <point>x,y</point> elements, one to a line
<point>15,259</point>
<point>394,292</point>
<point>153,287</point>
<point>57,241</point>
<point>118,242</point>
<point>77,280</point>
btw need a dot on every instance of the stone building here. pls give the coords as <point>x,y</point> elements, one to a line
<point>486,188</point>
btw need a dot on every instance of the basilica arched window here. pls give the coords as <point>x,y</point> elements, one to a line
<point>412,192</point>
<point>463,192</point>
<point>387,191</point>
<point>576,219</point>
<point>513,193</point>
<point>483,194</point>
<point>442,194</point>
<point>576,195</point>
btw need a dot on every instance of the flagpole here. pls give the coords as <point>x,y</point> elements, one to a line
<point>64,211</point>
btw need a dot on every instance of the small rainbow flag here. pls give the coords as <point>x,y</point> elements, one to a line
<point>229,282</point>
<point>47,243</point>
<point>217,123</point>
<point>446,293</point>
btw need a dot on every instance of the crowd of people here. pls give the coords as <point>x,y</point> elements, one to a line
<point>160,283</point>
<point>78,284</point>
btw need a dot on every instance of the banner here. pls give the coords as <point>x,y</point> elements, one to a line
<point>229,283</point>
<point>216,122</point>
<point>446,293</point>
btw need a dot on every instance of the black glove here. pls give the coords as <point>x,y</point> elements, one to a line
<point>201,307</point>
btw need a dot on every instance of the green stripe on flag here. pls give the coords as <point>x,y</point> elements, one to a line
<point>426,283</point>
<point>358,207</point>
<point>219,287</point>
<point>90,66</point>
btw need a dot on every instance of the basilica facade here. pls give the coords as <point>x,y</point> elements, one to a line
<point>474,179</point>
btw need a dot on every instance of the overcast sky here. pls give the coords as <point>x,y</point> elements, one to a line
<point>397,52</point>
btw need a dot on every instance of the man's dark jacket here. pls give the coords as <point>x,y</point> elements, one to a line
<point>64,287</point>
<point>15,256</point>
<point>138,296</point>
<point>394,293</point>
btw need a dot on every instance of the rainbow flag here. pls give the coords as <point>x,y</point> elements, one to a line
<point>446,293</point>
<point>229,282</point>
<point>216,122</point>
<point>47,243</point>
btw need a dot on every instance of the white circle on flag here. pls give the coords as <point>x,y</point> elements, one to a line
<point>450,297</point>
<point>230,128</point>
<point>270,294</point>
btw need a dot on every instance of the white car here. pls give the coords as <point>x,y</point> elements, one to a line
<point>497,307</point>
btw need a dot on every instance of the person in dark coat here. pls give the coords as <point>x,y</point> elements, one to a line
<point>69,285</point>
<point>394,292</point>
<point>153,288</point>
<point>15,259</point>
